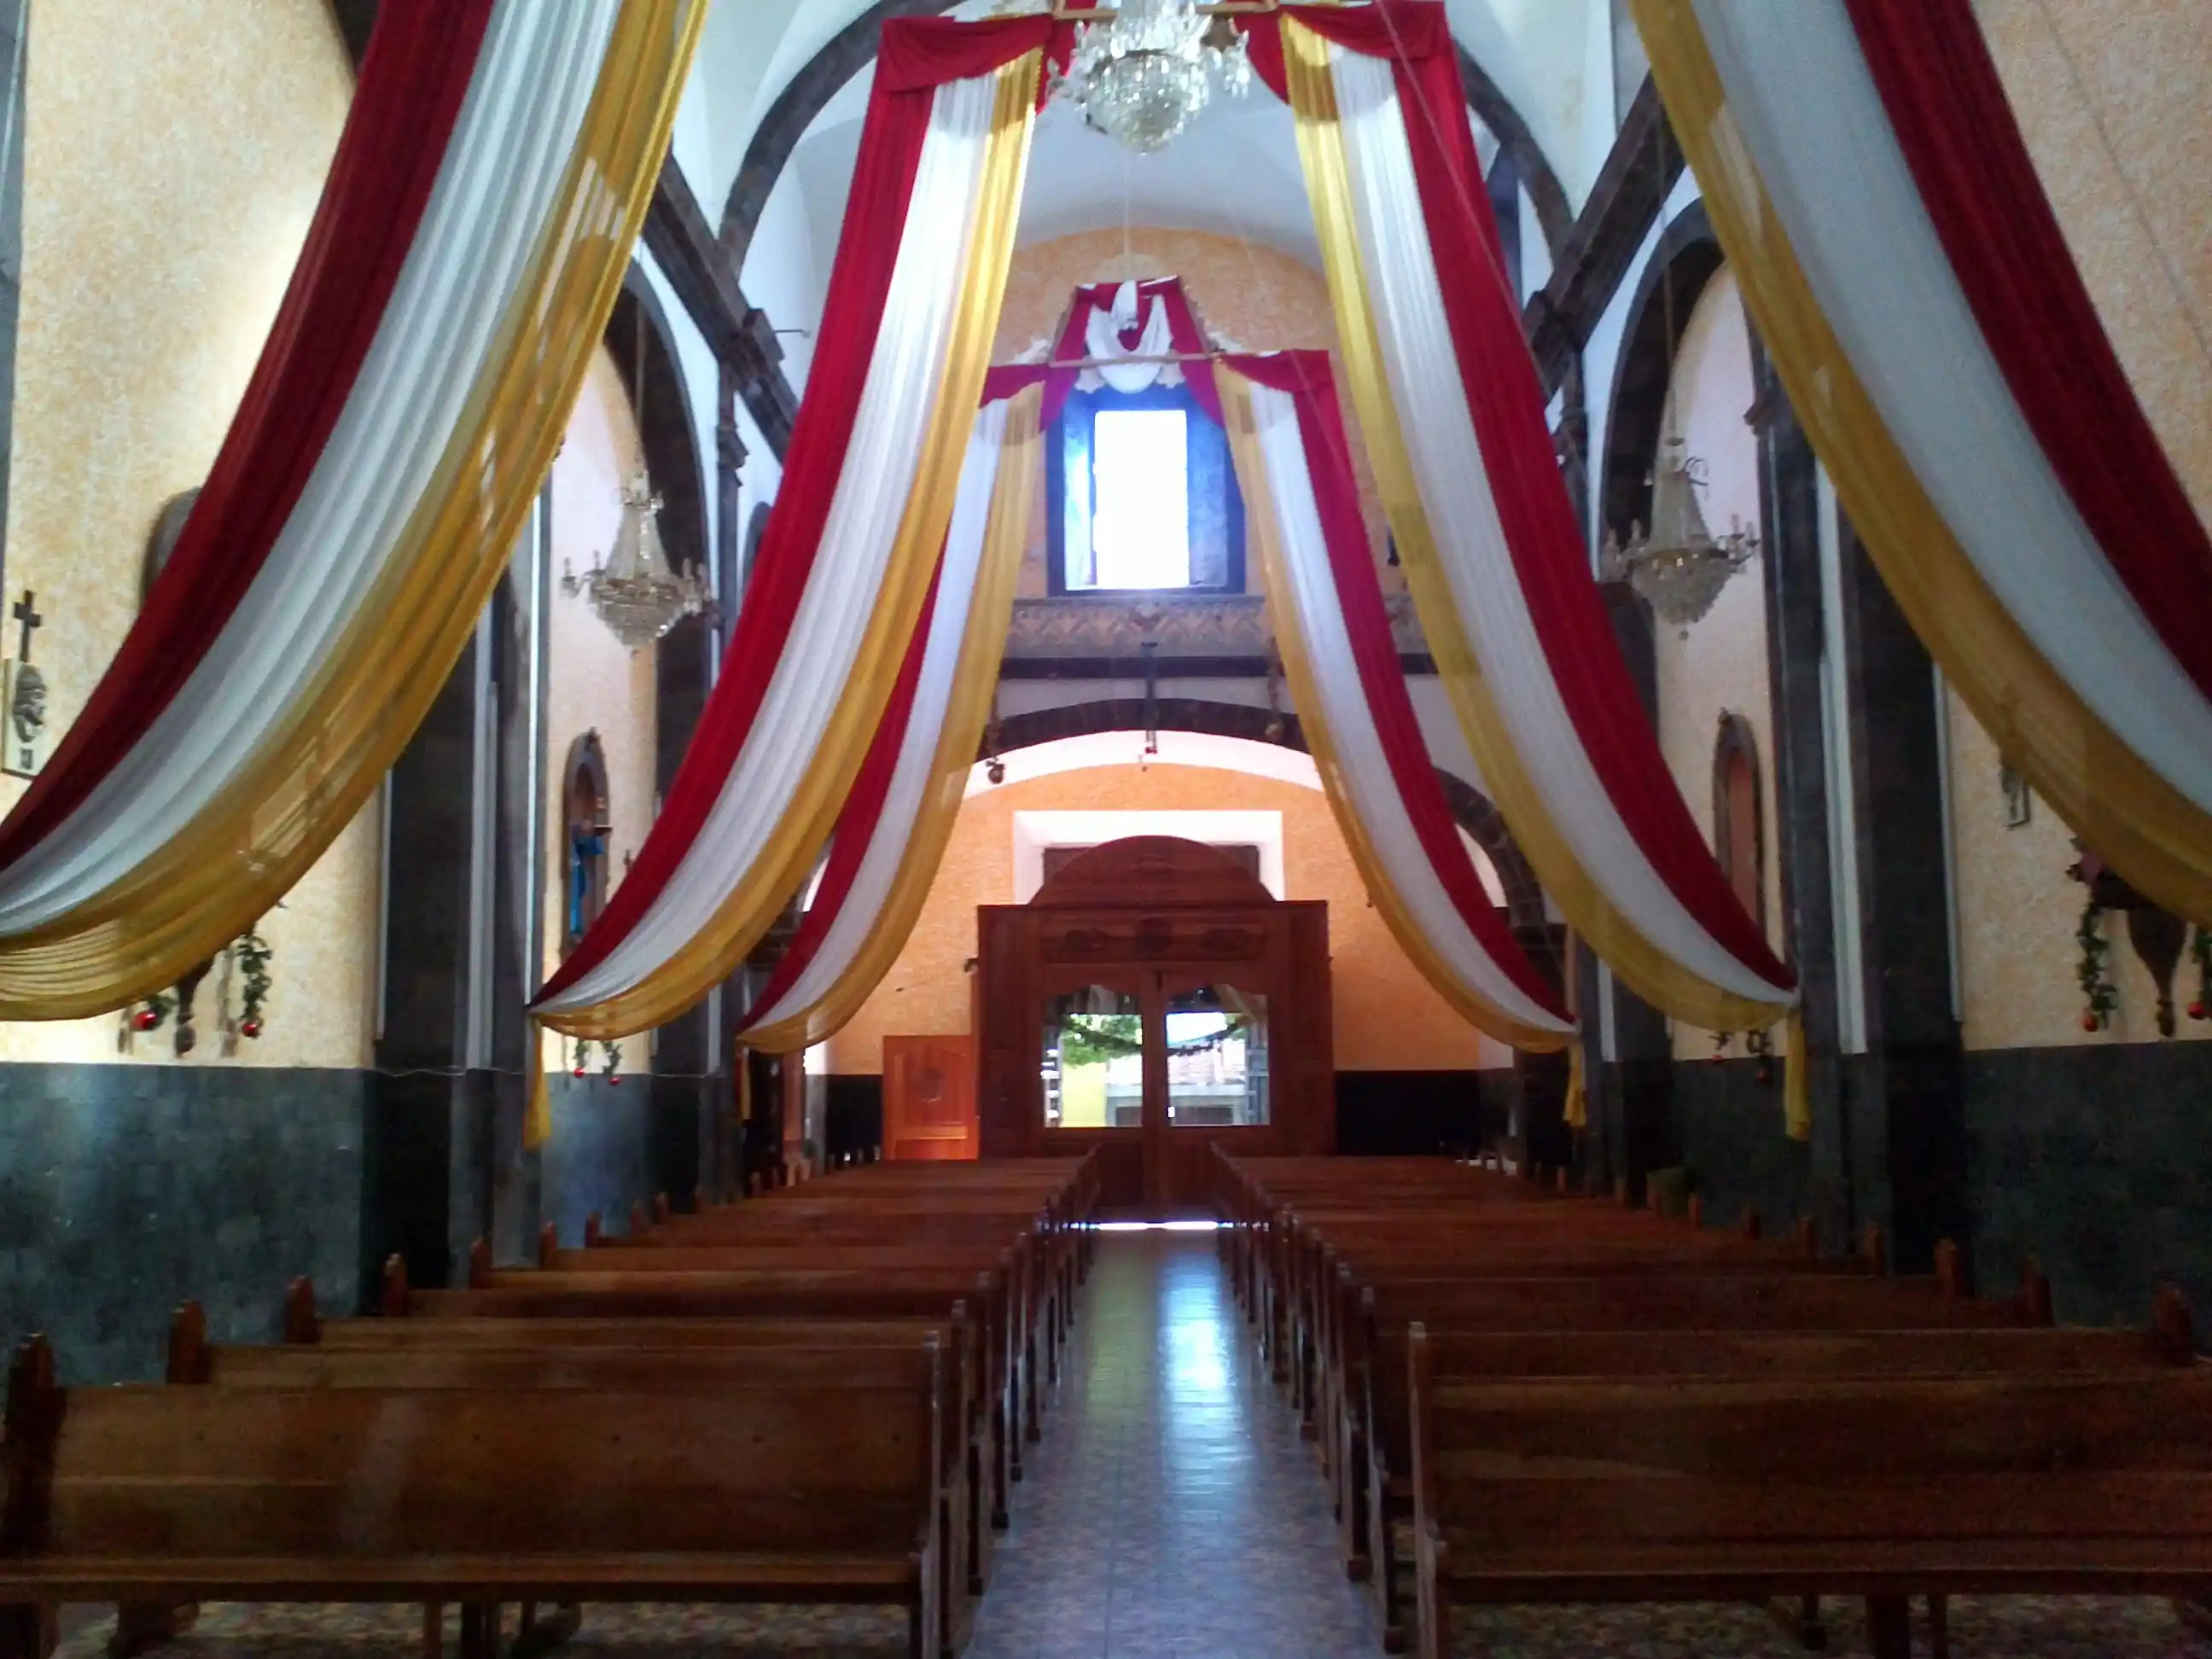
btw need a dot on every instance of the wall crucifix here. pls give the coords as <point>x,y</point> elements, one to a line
<point>23,696</point>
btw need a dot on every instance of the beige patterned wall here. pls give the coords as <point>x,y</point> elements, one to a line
<point>174,152</point>
<point>1386,1018</point>
<point>1722,665</point>
<point>2018,910</point>
<point>593,682</point>
<point>1249,293</point>
<point>2110,96</point>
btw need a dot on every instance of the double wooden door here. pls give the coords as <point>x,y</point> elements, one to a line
<point>1154,1002</point>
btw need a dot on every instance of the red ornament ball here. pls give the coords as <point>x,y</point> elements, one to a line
<point>2197,1009</point>
<point>579,1072</point>
<point>2090,1022</point>
<point>250,1028</point>
<point>145,1019</point>
<point>615,1079</point>
<point>1719,1059</point>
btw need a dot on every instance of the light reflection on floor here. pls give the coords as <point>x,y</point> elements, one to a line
<point>1172,1509</point>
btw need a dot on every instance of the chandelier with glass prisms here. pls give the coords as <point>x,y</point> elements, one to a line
<point>635,592</point>
<point>1680,567</point>
<point>1141,77</point>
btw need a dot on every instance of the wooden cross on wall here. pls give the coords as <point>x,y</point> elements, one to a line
<point>26,614</point>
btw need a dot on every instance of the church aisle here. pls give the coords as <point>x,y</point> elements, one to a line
<point>1172,1509</point>
<point>1172,1512</point>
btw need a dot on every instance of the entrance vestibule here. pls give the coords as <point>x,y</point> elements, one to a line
<point>1154,1000</point>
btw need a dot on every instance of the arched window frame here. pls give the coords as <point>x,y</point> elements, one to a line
<point>1733,743</point>
<point>1217,502</point>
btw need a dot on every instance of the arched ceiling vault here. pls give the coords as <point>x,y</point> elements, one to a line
<point>1087,184</point>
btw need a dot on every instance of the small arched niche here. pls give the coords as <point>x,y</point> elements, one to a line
<point>586,834</point>
<point>1739,835</point>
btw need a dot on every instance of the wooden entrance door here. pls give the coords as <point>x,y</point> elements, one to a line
<point>1100,1005</point>
<point>929,1097</point>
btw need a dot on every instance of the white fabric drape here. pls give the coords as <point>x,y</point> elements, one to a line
<point>904,373</point>
<point>1421,364</point>
<point>1800,92</point>
<point>915,774</point>
<point>485,221</point>
<point>1310,603</point>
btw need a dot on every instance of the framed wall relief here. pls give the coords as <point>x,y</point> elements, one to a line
<point>2019,798</point>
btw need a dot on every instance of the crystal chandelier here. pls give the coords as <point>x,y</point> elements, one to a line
<point>1141,77</point>
<point>635,592</point>
<point>1680,569</point>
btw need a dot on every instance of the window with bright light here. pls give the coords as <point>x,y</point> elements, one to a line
<point>1141,496</point>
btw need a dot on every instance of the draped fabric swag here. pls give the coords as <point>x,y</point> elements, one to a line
<point>836,700</point>
<point>1452,412</point>
<point>1326,600</point>
<point>1867,181</point>
<point>480,212</point>
<point>867,499</point>
<point>1294,462</point>
<point>900,814</point>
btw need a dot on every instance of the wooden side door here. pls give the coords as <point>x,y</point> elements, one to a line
<point>929,1097</point>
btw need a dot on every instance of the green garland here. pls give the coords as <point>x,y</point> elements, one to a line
<point>2200,952</point>
<point>1101,1037</point>
<point>2100,995</point>
<point>253,955</point>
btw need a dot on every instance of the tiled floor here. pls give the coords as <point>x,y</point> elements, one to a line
<point>1172,1510</point>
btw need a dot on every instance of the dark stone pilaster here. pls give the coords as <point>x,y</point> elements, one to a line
<point>517,636</point>
<point>1906,1138</point>
<point>428,1139</point>
<point>1638,1085</point>
<point>1789,514</point>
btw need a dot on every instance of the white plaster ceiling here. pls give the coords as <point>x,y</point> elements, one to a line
<point>1235,173</point>
<point>1551,59</point>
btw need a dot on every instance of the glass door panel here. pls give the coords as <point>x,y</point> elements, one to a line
<point>1093,1064</point>
<point>1217,1058</point>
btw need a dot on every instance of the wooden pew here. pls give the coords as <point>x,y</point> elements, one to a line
<point>169,1495</point>
<point>887,1354</point>
<point>1710,1490</point>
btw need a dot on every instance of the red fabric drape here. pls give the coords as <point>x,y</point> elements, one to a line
<point>1305,375</point>
<point>1951,118</point>
<point>413,78</point>
<point>920,54</point>
<point>852,314</point>
<point>857,820</point>
<point>1506,402</point>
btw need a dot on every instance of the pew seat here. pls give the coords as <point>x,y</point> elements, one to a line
<point>745,1492</point>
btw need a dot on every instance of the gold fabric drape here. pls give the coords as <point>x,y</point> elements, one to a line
<point>983,642</point>
<point>1653,975</point>
<point>722,939</point>
<point>257,839</point>
<point>2137,821</point>
<point>1289,630</point>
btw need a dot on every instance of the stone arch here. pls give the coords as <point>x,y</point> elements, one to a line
<point>851,49</point>
<point>755,532</point>
<point>168,525</point>
<point>1684,260</point>
<point>1524,898</point>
